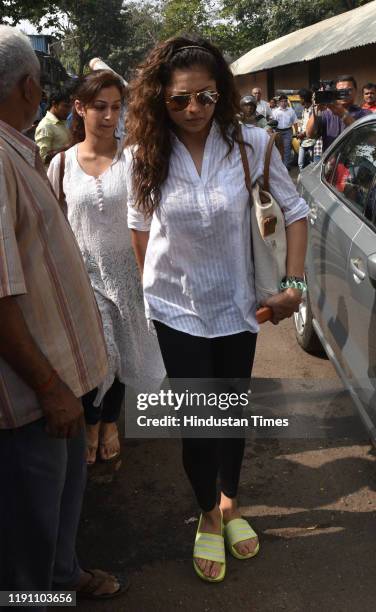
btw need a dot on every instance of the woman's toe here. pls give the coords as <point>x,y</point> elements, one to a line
<point>253,545</point>
<point>208,568</point>
<point>215,570</point>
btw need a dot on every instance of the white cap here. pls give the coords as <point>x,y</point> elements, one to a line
<point>98,64</point>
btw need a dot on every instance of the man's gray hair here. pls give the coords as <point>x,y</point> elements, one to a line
<point>17,59</point>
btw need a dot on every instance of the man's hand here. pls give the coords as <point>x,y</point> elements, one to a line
<point>63,411</point>
<point>301,135</point>
<point>284,304</point>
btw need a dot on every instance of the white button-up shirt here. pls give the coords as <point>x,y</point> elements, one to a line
<point>286,117</point>
<point>263,108</point>
<point>198,273</point>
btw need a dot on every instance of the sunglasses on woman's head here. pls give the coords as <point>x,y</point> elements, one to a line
<point>179,102</point>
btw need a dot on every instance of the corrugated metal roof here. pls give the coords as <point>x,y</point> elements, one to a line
<point>351,29</point>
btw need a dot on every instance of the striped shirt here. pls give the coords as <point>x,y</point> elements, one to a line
<point>42,268</point>
<point>198,274</point>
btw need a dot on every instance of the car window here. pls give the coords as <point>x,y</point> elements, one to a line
<point>330,166</point>
<point>351,170</point>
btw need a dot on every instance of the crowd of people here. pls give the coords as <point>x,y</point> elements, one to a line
<point>115,240</point>
<point>318,126</point>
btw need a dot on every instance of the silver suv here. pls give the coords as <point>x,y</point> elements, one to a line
<point>338,313</point>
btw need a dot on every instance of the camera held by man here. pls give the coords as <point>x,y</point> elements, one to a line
<point>334,109</point>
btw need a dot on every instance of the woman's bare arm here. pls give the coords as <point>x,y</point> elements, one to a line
<point>296,236</point>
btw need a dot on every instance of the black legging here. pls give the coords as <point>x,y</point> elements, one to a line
<point>187,356</point>
<point>109,410</point>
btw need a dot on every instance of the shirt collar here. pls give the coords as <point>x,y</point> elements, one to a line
<point>22,144</point>
<point>52,118</point>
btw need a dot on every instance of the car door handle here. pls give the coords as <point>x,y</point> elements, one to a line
<point>356,268</point>
<point>312,215</point>
<point>371,268</point>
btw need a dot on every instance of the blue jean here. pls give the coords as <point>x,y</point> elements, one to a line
<point>286,137</point>
<point>305,156</point>
<point>42,482</point>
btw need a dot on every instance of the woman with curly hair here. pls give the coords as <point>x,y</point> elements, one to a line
<point>190,219</point>
<point>90,177</point>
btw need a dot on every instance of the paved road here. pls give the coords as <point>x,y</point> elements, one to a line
<point>312,501</point>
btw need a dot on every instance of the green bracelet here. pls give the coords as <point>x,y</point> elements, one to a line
<point>293,282</point>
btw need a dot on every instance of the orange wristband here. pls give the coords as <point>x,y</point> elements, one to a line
<point>44,387</point>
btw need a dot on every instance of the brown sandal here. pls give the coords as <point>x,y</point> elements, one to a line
<point>99,579</point>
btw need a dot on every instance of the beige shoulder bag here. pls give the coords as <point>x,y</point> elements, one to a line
<point>269,246</point>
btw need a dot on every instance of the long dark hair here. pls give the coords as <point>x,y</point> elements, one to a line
<point>148,125</point>
<point>86,93</point>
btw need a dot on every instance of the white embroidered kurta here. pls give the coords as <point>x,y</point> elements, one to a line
<point>198,274</point>
<point>97,213</point>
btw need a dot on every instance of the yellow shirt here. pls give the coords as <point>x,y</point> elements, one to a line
<point>51,134</point>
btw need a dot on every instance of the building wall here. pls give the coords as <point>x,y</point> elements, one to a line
<point>246,82</point>
<point>293,76</point>
<point>359,62</point>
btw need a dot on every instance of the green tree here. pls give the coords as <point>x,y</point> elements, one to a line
<point>12,11</point>
<point>250,23</point>
<point>85,28</point>
<point>186,16</point>
<point>142,31</point>
<point>89,27</point>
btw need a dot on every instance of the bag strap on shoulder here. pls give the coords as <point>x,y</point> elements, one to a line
<point>62,200</point>
<point>247,173</point>
<point>268,155</point>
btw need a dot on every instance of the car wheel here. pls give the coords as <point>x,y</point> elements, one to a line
<point>304,330</point>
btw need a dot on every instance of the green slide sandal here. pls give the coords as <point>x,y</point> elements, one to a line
<point>209,546</point>
<point>237,531</point>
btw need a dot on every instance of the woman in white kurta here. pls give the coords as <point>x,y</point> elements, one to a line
<point>96,197</point>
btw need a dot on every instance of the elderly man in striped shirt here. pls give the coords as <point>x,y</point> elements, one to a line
<point>51,352</point>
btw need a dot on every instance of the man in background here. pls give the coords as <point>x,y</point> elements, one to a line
<point>287,119</point>
<point>263,107</point>
<point>337,116</point>
<point>52,133</point>
<point>369,97</point>
<point>306,145</point>
<point>272,104</point>
<point>249,115</point>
